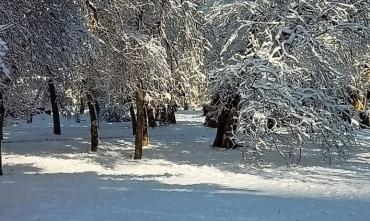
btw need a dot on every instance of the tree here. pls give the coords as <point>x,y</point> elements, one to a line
<point>48,43</point>
<point>142,57</point>
<point>291,63</point>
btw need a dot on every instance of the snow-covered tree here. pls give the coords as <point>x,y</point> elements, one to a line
<point>48,42</point>
<point>290,64</point>
<point>148,55</point>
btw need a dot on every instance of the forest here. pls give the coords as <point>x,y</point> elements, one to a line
<point>184,109</point>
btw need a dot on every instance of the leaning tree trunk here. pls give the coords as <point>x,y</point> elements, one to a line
<point>2,118</point>
<point>133,119</point>
<point>94,123</point>
<point>139,125</point>
<point>54,107</point>
<point>224,130</point>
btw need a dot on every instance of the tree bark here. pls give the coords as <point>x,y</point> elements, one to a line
<point>145,129</point>
<point>171,114</point>
<point>139,125</point>
<point>54,107</point>
<point>151,118</point>
<point>97,108</point>
<point>163,119</point>
<point>94,123</point>
<point>133,119</point>
<point>82,106</point>
<point>97,111</point>
<point>2,118</point>
<point>224,130</point>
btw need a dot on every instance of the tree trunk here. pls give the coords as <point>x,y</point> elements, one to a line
<point>224,130</point>
<point>54,108</point>
<point>97,111</point>
<point>186,105</point>
<point>139,125</point>
<point>171,114</point>
<point>30,118</point>
<point>82,106</point>
<point>145,129</point>
<point>2,118</point>
<point>151,118</point>
<point>163,119</point>
<point>94,123</point>
<point>133,119</point>
<point>97,108</point>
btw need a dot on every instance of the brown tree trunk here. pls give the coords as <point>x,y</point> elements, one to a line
<point>224,130</point>
<point>2,118</point>
<point>139,125</point>
<point>145,129</point>
<point>94,123</point>
<point>54,108</point>
<point>133,119</point>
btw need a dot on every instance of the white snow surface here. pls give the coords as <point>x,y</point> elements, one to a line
<point>49,177</point>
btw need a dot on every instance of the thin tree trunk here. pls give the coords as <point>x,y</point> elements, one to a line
<point>139,125</point>
<point>2,118</point>
<point>133,119</point>
<point>82,106</point>
<point>171,114</point>
<point>97,110</point>
<point>54,108</point>
<point>145,129</point>
<point>151,118</point>
<point>30,119</point>
<point>94,123</point>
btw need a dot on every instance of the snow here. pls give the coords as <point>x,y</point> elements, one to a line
<point>49,177</point>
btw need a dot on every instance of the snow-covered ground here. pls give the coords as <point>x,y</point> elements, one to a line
<point>181,177</point>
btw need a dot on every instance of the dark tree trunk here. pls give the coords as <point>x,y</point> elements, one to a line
<point>94,123</point>
<point>30,118</point>
<point>139,125</point>
<point>133,119</point>
<point>145,129</point>
<point>186,105</point>
<point>224,130</point>
<point>82,106</point>
<point>97,108</point>
<point>54,107</point>
<point>211,121</point>
<point>171,114</point>
<point>209,112</point>
<point>163,119</point>
<point>206,109</point>
<point>2,118</point>
<point>151,118</point>
<point>158,113</point>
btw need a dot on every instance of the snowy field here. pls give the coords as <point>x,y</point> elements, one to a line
<point>54,178</point>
